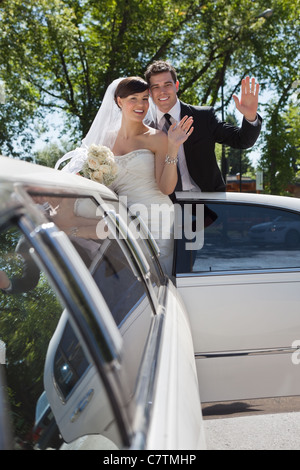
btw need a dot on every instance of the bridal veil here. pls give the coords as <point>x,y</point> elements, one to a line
<point>103,130</point>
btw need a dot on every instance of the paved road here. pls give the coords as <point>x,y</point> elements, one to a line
<point>270,424</point>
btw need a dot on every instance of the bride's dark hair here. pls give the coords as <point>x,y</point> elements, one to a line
<point>129,86</point>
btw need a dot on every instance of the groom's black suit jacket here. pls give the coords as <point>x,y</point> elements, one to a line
<point>200,146</point>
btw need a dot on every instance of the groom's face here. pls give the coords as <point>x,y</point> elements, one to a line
<point>163,91</point>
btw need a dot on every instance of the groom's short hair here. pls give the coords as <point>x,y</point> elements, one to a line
<point>160,66</point>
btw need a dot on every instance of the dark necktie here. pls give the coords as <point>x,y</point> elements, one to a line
<point>167,123</point>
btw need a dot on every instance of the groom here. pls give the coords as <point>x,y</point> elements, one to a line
<point>198,168</point>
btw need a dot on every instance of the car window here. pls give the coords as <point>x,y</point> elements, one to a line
<point>119,286</point>
<point>70,362</point>
<point>112,266</point>
<point>85,224</point>
<point>241,237</point>
<point>30,312</point>
<point>142,239</point>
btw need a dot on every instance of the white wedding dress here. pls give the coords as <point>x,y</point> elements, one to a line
<point>136,184</point>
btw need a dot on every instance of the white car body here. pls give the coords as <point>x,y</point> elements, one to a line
<point>244,312</point>
<point>226,328</point>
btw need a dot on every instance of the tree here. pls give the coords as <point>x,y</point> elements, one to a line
<point>238,160</point>
<point>51,152</point>
<point>281,156</point>
<point>62,54</point>
<point>27,322</point>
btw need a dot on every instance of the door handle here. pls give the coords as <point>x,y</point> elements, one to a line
<point>82,405</point>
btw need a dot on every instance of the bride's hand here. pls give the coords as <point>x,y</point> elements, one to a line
<point>180,132</point>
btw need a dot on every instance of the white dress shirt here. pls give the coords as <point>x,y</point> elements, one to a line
<point>187,182</point>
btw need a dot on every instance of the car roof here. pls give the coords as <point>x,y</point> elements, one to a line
<point>285,202</point>
<point>19,171</point>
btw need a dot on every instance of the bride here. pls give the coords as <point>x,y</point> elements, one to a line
<point>146,157</point>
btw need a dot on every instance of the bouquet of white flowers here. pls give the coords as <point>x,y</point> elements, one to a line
<point>100,165</point>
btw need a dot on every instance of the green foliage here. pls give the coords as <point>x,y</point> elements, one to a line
<point>49,155</point>
<point>281,151</point>
<point>27,322</point>
<point>238,159</point>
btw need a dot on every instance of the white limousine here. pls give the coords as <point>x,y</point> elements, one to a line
<point>122,356</point>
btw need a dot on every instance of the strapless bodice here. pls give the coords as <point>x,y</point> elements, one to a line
<point>136,178</point>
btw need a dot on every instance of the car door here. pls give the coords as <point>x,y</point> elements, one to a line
<point>157,374</point>
<point>167,387</point>
<point>50,289</point>
<point>90,318</point>
<point>240,284</point>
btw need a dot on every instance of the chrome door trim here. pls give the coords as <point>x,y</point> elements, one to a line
<point>203,274</point>
<point>103,341</point>
<point>254,352</point>
<point>146,384</point>
<point>148,235</point>
<point>129,239</point>
<point>133,253</point>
